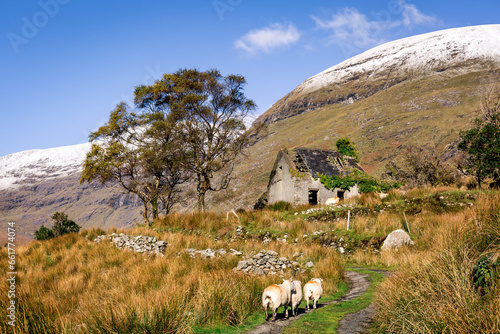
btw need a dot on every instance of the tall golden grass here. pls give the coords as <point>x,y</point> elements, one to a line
<point>71,284</point>
<point>437,294</point>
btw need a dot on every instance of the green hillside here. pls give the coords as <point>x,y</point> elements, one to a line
<point>429,111</point>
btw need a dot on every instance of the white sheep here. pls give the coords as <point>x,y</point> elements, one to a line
<point>313,290</point>
<point>332,201</point>
<point>296,296</point>
<point>277,295</point>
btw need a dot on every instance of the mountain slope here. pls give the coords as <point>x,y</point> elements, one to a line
<point>34,184</point>
<point>445,53</point>
<point>40,165</point>
<point>420,90</point>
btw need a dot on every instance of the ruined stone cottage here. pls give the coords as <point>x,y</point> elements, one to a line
<point>293,176</point>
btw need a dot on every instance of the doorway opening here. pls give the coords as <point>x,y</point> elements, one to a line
<point>340,194</point>
<point>313,196</point>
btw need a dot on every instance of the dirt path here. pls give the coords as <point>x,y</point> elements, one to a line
<point>360,321</point>
<point>352,323</point>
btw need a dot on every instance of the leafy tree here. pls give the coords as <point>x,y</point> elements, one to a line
<point>346,147</point>
<point>44,233</point>
<point>209,109</point>
<point>142,152</point>
<point>62,225</point>
<point>482,142</point>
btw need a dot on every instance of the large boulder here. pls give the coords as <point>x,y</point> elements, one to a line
<point>396,239</point>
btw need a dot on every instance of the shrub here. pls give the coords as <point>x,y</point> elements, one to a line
<point>365,182</point>
<point>484,273</point>
<point>44,233</point>
<point>346,147</point>
<point>62,225</point>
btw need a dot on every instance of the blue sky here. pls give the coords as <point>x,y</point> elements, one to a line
<point>66,63</point>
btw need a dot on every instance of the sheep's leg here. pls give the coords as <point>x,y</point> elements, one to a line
<point>274,314</point>
<point>286,310</point>
<point>307,304</point>
<point>315,300</point>
<point>265,311</point>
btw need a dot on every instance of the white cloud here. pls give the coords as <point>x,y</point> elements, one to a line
<point>411,15</point>
<point>352,26</point>
<point>268,39</point>
<point>355,31</point>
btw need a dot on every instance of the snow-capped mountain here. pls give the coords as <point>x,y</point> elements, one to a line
<point>425,53</point>
<point>35,184</point>
<point>442,53</point>
<point>30,167</point>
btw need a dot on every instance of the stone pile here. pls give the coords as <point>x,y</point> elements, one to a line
<point>140,244</point>
<point>210,253</point>
<point>268,263</point>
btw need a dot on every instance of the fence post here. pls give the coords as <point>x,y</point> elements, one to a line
<point>348,218</point>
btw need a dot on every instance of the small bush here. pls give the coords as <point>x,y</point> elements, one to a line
<point>365,182</point>
<point>44,233</point>
<point>62,225</point>
<point>484,273</point>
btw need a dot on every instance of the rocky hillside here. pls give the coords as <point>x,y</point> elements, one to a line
<point>34,184</point>
<point>420,90</point>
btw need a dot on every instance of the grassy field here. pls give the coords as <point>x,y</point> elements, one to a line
<point>72,285</point>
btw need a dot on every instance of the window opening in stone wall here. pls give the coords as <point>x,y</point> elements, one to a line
<point>313,196</point>
<point>279,175</point>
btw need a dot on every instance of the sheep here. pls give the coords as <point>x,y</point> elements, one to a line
<point>332,201</point>
<point>313,290</point>
<point>277,295</point>
<point>296,297</point>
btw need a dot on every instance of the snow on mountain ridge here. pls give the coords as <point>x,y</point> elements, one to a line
<point>30,166</point>
<point>421,52</point>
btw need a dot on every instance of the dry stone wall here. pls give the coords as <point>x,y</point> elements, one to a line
<point>139,244</point>
<point>268,263</point>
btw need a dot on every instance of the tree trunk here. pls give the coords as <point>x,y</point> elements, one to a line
<point>203,187</point>
<point>201,201</point>
<point>154,208</point>
<point>145,213</point>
